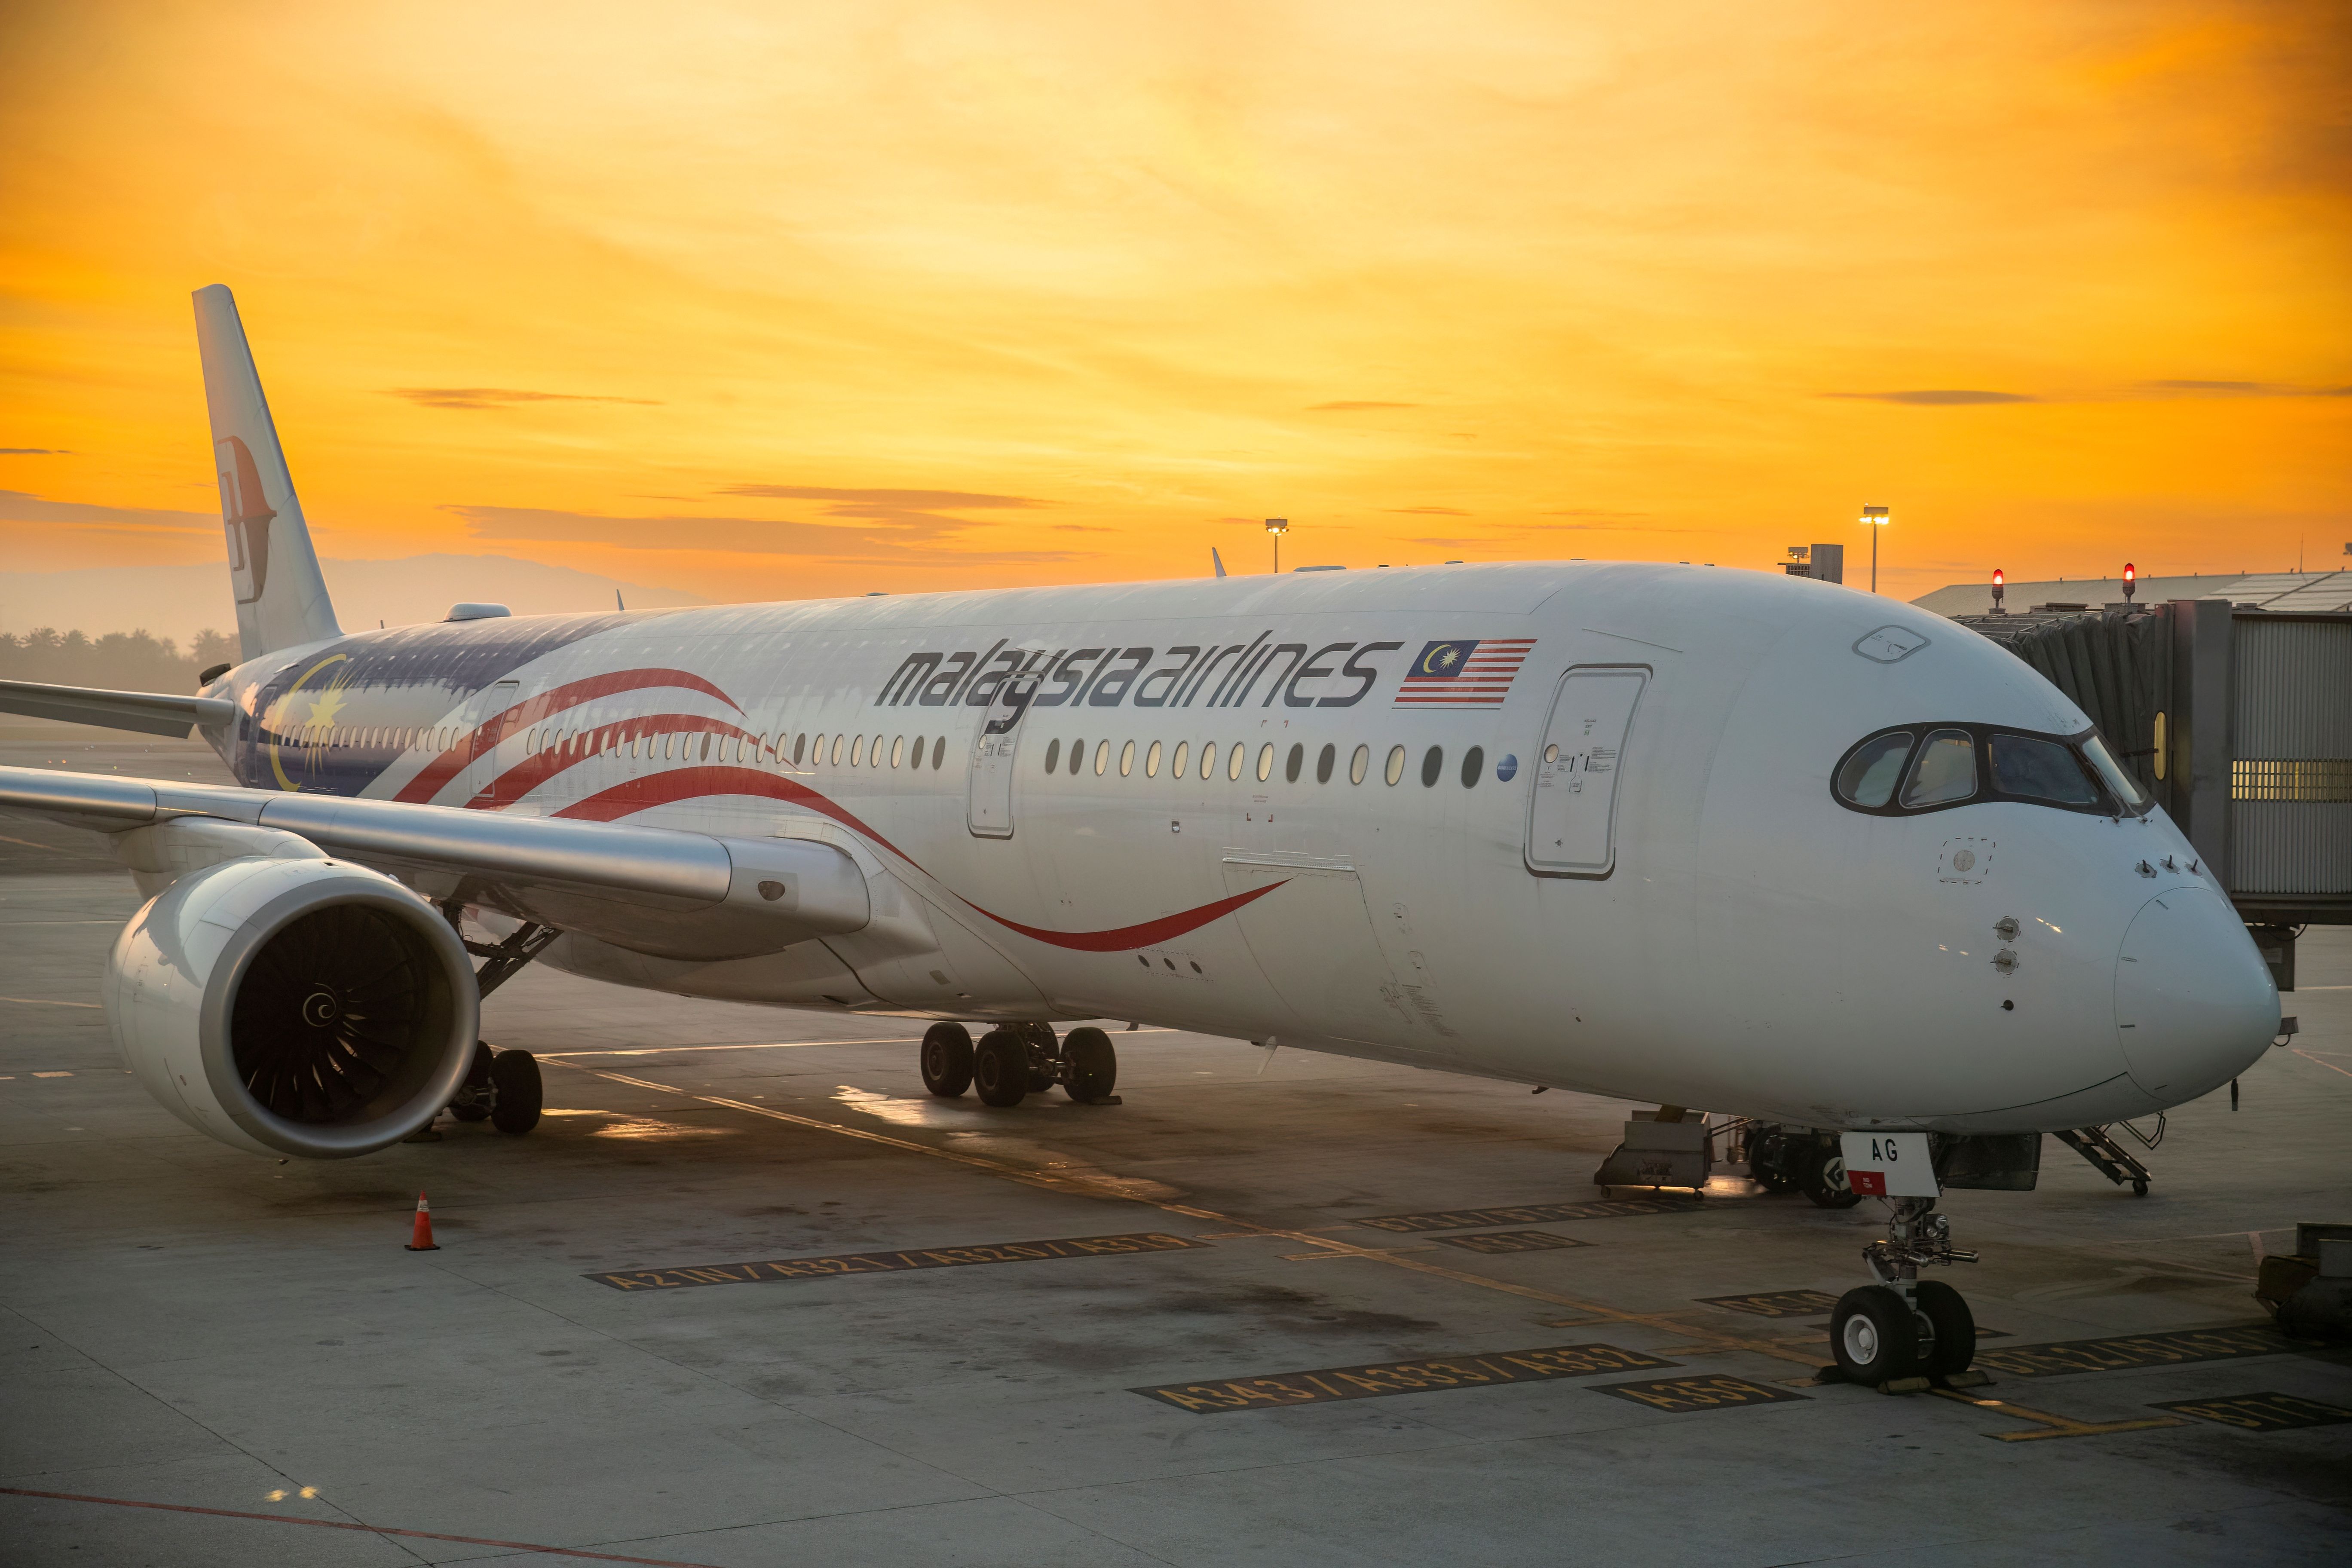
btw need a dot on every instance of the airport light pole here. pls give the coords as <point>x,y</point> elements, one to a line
<point>1873,517</point>
<point>1277,526</point>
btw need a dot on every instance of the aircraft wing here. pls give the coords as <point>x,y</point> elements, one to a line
<point>688,893</point>
<point>148,712</point>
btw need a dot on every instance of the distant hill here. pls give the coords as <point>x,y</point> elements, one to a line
<point>178,601</point>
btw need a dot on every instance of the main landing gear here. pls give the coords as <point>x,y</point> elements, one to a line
<point>1813,1163</point>
<point>502,1087</point>
<point>1014,1061</point>
<point>1905,1326</point>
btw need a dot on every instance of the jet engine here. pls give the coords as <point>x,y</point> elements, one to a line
<point>301,1006</point>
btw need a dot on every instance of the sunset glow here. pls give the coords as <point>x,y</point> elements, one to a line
<point>757,301</point>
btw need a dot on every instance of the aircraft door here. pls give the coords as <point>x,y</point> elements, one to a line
<point>1572,810</point>
<point>988,809</point>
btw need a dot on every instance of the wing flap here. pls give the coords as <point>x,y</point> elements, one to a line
<point>678,891</point>
<point>145,713</point>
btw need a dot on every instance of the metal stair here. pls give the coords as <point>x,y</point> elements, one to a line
<point>2107,1157</point>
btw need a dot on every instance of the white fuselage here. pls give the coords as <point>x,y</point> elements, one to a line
<point>1673,908</point>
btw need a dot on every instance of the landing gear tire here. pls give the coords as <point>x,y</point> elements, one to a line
<point>1952,1324</point>
<point>473,1101</point>
<point>517,1094</point>
<point>1874,1337</point>
<point>1767,1164</point>
<point>1094,1064</point>
<point>1000,1069</point>
<point>947,1059</point>
<point>1824,1181</point>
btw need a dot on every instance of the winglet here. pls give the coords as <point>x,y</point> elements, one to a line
<point>1217,561</point>
<point>281,599</point>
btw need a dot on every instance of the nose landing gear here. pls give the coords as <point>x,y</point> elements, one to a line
<point>1905,1326</point>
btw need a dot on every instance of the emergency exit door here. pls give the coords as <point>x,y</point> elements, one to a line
<point>1572,810</point>
<point>988,801</point>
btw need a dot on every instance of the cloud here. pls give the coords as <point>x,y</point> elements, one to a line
<point>496,397</point>
<point>2241,389</point>
<point>1082,528</point>
<point>18,506</point>
<point>954,501</point>
<point>34,452</point>
<point>887,546</point>
<point>1353,407</point>
<point>1938,397</point>
<point>1428,512</point>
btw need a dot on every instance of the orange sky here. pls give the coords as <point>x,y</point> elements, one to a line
<point>771,301</point>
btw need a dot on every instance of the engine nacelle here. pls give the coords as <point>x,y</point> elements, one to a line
<point>294,1006</point>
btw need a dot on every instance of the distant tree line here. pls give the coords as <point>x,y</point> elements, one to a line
<point>123,661</point>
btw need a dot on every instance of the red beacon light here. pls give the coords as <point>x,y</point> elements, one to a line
<point>2131,581</point>
<point>1999,580</point>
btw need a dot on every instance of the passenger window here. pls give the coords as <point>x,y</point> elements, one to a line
<point>2122,782</point>
<point>876,752</point>
<point>1077,757</point>
<point>897,748</point>
<point>1944,770</point>
<point>2039,770</point>
<point>1183,756</point>
<point>1291,764</point>
<point>838,740</point>
<point>1358,764</point>
<point>800,747</point>
<point>1433,762</point>
<point>917,757</point>
<point>939,754</point>
<point>1474,763</point>
<point>857,752</point>
<point>1868,778</point>
<point>1396,763</point>
<point>1236,760</point>
<point>1208,759</point>
<point>1053,755</point>
<point>1125,758</point>
<point>1324,762</point>
<point>1266,762</point>
<point>1151,761</point>
<point>1102,758</point>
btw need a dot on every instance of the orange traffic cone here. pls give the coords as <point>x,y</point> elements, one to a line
<point>421,1240</point>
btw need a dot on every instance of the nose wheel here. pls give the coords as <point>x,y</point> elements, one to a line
<point>1904,1326</point>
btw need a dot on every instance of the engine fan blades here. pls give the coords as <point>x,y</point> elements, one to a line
<point>326,1012</point>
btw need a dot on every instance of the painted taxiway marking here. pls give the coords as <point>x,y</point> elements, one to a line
<point>1083,1184</point>
<point>2127,1351</point>
<point>2050,1425</point>
<point>362,1529</point>
<point>2262,1412</point>
<point>1683,1396</point>
<point>757,1046</point>
<point>2314,1061</point>
<point>1528,1213</point>
<point>1430,1375</point>
<point>43,1002</point>
<point>844,1263</point>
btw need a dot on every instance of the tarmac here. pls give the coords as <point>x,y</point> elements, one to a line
<point>1136,1323</point>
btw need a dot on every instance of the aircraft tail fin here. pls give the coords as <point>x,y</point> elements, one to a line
<point>1216,561</point>
<point>281,599</point>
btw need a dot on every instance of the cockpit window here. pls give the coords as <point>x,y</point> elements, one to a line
<point>2126,788</point>
<point>1956,764</point>
<point>1945,770</point>
<point>1869,774</point>
<point>2040,770</point>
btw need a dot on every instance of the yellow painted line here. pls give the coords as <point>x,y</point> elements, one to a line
<point>2054,1425</point>
<point>1095,1186</point>
<point>2314,1061</point>
<point>39,1002</point>
<point>760,1045</point>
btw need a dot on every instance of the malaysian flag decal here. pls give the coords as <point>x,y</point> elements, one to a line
<point>1464,674</point>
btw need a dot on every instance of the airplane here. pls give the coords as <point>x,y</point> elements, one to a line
<point>1683,835</point>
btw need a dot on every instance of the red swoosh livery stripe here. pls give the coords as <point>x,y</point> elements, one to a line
<point>537,769</point>
<point>702,783</point>
<point>485,737</point>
